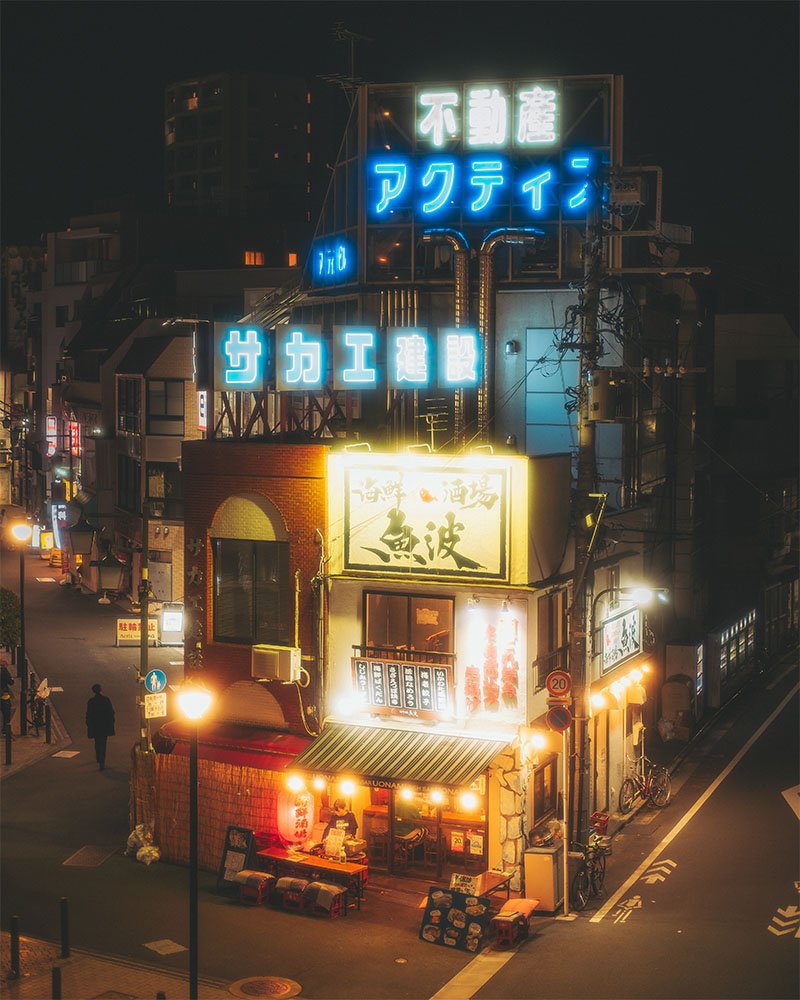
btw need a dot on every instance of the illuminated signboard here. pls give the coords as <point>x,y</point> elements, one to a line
<point>51,435</point>
<point>408,515</point>
<point>300,358</point>
<point>395,687</point>
<point>478,188</point>
<point>241,357</point>
<point>622,638</point>
<point>202,410</point>
<point>75,437</point>
<point>333,261</point>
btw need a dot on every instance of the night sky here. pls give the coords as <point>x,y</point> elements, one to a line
<point>711,91</point>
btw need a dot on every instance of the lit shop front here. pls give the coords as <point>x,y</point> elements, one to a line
<point>428,644</point>
<point>616,701</point>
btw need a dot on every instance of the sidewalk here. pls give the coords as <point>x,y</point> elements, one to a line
<point>85,975</point>
<point>28,749</point>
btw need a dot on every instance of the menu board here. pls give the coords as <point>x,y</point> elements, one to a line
<point>421,690</point>
<point>455,919</point>
<point>236,854</point>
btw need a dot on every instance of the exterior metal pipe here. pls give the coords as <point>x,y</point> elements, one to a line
<point>523,236</point>
<point>458,242</point>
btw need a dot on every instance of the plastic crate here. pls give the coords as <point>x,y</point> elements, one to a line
<point>599,820</point>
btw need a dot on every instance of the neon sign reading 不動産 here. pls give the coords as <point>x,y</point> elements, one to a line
<point>299,358</point>
<point>477,187</point>
<point>489,116</point>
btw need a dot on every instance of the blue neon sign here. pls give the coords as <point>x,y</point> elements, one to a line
<point>333,261</point>
<point>479,187</point>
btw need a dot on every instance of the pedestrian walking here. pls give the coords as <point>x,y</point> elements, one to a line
<point>99,723</point>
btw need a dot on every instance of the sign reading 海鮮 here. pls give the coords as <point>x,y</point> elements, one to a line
<point>432,520</point>
<point>621,638</point>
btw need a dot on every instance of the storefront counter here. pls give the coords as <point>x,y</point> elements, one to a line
<point>462,838</point>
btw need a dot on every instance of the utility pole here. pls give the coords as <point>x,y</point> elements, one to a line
<point>144,638</point>
<point>586,479</point>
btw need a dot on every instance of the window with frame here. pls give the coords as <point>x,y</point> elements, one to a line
<point>413,622</point>
<point>544,793</point>
<point>252,592</point>
<point>551,639</point>
<point>129,405</point>
<point>129,478</point>
<point>165,400</point>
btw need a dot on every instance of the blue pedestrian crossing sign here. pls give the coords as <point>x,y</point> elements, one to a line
<point>155,681</point>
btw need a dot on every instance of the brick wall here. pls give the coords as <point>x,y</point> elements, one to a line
<point>293,478</point>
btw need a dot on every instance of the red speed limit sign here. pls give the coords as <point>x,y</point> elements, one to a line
<point>559,684</point>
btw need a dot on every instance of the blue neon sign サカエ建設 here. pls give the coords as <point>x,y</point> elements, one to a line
<point>354,357</point>
<point>245,355</point>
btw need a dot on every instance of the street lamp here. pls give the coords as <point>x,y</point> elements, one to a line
<point>21,532</point>
<point>81,537</point>
<point>193,701</point>
<point>109,572</point>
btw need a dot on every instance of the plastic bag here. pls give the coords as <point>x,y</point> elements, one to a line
<point>140,836</point>
<point>148,854</point>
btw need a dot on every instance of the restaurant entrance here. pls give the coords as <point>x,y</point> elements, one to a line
<point>429,831</point>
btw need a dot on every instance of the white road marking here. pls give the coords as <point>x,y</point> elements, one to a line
<point>673,833</point>
<point>474,976</point>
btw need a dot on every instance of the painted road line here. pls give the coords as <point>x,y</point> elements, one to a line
<point>789,670</point>
<point>474,976</point>
<point>673,833</point>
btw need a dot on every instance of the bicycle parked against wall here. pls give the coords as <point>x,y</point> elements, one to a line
<point>590,877</point>
<point>648,780</point>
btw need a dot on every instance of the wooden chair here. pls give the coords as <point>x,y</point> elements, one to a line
<point>406,845</point>
<point>378,848</point>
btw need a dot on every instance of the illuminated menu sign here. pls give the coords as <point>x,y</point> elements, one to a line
<point>426,520</point>
<point>622,638</point>
<point>393,687</point>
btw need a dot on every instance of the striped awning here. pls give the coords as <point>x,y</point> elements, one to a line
<point>398,755</point>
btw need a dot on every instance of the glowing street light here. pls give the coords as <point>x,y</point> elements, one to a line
<point>193,701</point>
<point>21,532</point>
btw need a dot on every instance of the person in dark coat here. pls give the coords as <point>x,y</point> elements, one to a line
<point>99,723</point>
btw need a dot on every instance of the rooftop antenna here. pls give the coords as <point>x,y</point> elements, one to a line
<point>348,82</point>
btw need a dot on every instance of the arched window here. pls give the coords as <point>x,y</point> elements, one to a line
<point>252,588</point>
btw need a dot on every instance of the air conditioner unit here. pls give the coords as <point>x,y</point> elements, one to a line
<point>280,663</point>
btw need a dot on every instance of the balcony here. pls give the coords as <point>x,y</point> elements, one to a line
<point>544,665</point>
<point>78,272</point>
<point>400,653</point>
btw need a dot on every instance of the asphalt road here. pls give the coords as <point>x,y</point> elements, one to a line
<point>699,933</point>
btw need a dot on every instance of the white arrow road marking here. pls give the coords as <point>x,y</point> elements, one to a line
<point>790,911</point>
<point>788,930</point>
<point>792,796</point>
<point>658,872</point>
<point>652,879</point>
<point>611,902</point>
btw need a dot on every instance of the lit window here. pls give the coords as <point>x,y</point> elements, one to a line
<point>254,258</point>
<point>308,157</point>
<point>292,260</point>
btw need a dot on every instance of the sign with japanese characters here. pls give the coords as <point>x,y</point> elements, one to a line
<point>129,631</point>
<point>622,638</point>
<point>393,687</point>
<point>440,518</point>
<point>242,358</point>
<point>155,705</point>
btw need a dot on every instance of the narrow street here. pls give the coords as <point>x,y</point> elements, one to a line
<point>707,899</point>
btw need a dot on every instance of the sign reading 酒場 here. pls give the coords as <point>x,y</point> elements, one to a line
<point>431,519</point>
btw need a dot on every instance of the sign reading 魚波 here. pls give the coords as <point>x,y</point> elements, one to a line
<point>430,519</point>
<point>393,687</point>
<point>622,638</point>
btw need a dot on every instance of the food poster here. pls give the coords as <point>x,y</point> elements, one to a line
<point>455,919</point>
<point>492,648</point>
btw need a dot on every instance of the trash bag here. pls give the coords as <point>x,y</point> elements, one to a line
<point>666,729</point>
<point>148,854</point>
<point>140,836</point>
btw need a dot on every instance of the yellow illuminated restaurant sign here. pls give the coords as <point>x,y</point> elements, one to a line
<point>425,515</point>
<point>129,631</point>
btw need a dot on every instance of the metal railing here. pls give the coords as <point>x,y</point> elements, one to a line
<point>544,665</point>
<point>404,654</point>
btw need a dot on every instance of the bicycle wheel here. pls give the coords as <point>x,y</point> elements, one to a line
<point>599,874</point>
<point>660,788</point>
<point>626,795</point>
<point>581,888</point>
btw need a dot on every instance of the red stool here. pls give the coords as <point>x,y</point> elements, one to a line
<point>325,899</point>
<point>254,886</point>
<point>289,891</point>
<point>512,923</point>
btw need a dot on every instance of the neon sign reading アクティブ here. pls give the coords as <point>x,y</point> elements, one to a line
<point>476,187</point>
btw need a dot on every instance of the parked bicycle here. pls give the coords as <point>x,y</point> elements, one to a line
<point>590,877</point>
<point>37,699</point>
<point>648,780</point>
